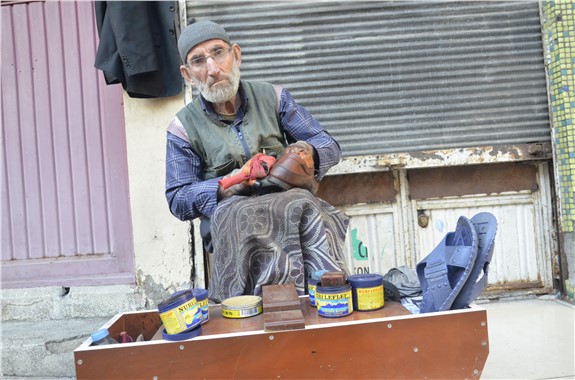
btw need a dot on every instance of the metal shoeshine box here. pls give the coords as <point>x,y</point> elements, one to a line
<point>388,343</point>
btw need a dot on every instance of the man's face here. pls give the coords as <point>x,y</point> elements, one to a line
<point>213,67</point>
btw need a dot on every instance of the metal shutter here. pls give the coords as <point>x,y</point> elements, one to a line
<point>387,77</point>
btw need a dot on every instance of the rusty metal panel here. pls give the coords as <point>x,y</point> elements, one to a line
<point>66,217</point>
<point>536,152</point>
<point>341,190</point>
<point>474,179</point>
<point>388,77</point>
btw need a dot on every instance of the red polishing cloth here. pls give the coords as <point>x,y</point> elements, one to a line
<point>257,167</point>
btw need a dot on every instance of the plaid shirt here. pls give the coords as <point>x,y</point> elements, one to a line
<point>189,196</point>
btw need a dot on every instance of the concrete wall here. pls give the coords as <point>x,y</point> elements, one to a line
<point>161,241</point>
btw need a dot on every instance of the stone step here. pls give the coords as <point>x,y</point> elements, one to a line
<point>41,327</point>
<point>55,303</point>
<point>44,349</point>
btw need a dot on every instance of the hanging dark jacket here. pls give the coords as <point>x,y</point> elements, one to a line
<point>138,47</point>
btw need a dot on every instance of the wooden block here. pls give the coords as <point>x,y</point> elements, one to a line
<point>280,298</point>
<point>333,279</point>
<point>284,320</point>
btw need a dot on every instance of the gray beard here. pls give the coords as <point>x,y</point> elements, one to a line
<point>222,93</point>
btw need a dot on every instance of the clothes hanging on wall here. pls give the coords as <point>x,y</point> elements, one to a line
<point>138,47</point>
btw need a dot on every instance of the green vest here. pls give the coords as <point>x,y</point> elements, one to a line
<point>219,145</point>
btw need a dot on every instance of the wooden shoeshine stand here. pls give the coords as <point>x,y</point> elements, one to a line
<point>389,343</point>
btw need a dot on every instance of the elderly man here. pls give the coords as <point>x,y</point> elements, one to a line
<point>256,237</point>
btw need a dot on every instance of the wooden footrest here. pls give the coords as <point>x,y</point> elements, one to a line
<point>284,320</point>
<point>280,298</point>
<point>282,308</point>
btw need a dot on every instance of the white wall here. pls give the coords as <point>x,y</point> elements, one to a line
<point>161,241</point>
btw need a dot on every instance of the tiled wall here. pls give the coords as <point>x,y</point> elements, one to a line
<point>558,20</point>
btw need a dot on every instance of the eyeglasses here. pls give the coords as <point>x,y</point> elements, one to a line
<point>219,55</point>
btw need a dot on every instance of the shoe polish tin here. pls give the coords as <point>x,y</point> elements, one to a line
<point>242,306</point>
<point>180,312</point>
<point>312,283</point>
<point>311,288</point>
<point>334,301</point>
<point>202,297</point>
<point>367,291</point>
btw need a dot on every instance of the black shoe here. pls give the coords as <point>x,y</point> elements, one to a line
<point>390,292</point>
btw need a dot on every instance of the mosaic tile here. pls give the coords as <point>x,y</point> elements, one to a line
<point>558,26</point>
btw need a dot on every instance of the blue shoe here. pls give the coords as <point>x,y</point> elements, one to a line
<point>486,227</point>
<point>443,273</point>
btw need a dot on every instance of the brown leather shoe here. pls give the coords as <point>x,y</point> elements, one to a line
<point>295,168</point>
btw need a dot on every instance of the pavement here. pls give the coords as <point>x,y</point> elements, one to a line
<point>41,327</point>
<point>530,339</point>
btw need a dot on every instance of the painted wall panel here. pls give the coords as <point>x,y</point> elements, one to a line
<point>66,216</point>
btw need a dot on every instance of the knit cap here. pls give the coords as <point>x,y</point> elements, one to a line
<point>197,33</point>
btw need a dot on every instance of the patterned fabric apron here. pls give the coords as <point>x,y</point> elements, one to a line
<point>276,238</point>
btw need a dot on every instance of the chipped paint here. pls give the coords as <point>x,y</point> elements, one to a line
<point>444,157</point>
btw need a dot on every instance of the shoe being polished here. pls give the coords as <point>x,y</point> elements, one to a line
<point>295,168</point>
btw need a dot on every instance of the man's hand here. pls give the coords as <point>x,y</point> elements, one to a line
<point>239,189</point>
<point>303,148</point>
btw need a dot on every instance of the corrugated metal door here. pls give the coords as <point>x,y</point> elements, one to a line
<point>65,209</point>
<point>436,79</point>
<point>518,195</point>
<point>388,77</point>
<point>373,239</point>
<point>405,229</point>
<point>519,259</point>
